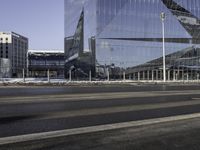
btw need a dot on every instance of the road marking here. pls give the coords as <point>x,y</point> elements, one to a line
<point>84,130</point>
<point>196,98</point>
<point>108,110</point>
<point>117,109</point>
<point>93,96</point>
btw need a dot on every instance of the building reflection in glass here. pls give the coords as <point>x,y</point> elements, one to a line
<point>126,36</point>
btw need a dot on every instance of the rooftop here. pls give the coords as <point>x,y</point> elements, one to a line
<point>45,51</point>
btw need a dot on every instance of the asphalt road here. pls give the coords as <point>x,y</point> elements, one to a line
<point>181,135</point>
<point>32,91</point>
<point>26,110</point>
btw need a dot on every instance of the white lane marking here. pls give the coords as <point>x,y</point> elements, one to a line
<point>109,110</point>
<point>84,130</point>
<point>196,98</point>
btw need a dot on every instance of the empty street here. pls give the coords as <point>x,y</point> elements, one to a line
<point>78,115</point>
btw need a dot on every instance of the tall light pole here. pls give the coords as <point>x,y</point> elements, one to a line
<point>162,16</point>
<point>27,63</point>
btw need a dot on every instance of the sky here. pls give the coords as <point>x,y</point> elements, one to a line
<point>42,21</point>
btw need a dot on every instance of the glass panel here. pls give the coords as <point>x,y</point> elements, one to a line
<point>126,35</point>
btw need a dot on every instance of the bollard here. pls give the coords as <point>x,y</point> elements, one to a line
<point>138,76</point>
<point>70,75</point>
<point>23,76</point>
<point>124,76</point>
<point>108,75</point>
<point>90,76</point>
<point>48,74</point>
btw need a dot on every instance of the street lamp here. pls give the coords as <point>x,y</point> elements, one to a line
<point>27,63</point>
<point>162,16</point>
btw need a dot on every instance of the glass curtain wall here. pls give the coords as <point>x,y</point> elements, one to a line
<point>80,27</point>
<point>125,37</point>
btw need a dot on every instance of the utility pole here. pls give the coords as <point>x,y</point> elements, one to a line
<point>162,16</point>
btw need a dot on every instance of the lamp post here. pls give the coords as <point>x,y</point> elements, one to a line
<point>27,63</point>
<point>162,16</point>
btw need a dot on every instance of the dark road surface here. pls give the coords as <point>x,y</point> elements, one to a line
<point>181,135</point>
<point>31,91</point>
<point>25,110</point>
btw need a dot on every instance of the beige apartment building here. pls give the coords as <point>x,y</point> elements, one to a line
<point>14,47</point>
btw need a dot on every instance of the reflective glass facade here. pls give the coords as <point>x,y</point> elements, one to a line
<point>39,62</point>
<point>125,36</point>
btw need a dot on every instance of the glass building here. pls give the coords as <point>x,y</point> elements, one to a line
<point>117,37</point>
<point>42,61</point>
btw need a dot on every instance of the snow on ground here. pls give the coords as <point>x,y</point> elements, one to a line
<point>41,81</point>
<point>56,81</point>
<point>29,80</point>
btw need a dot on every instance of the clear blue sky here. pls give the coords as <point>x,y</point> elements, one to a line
<point>42,21</point>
